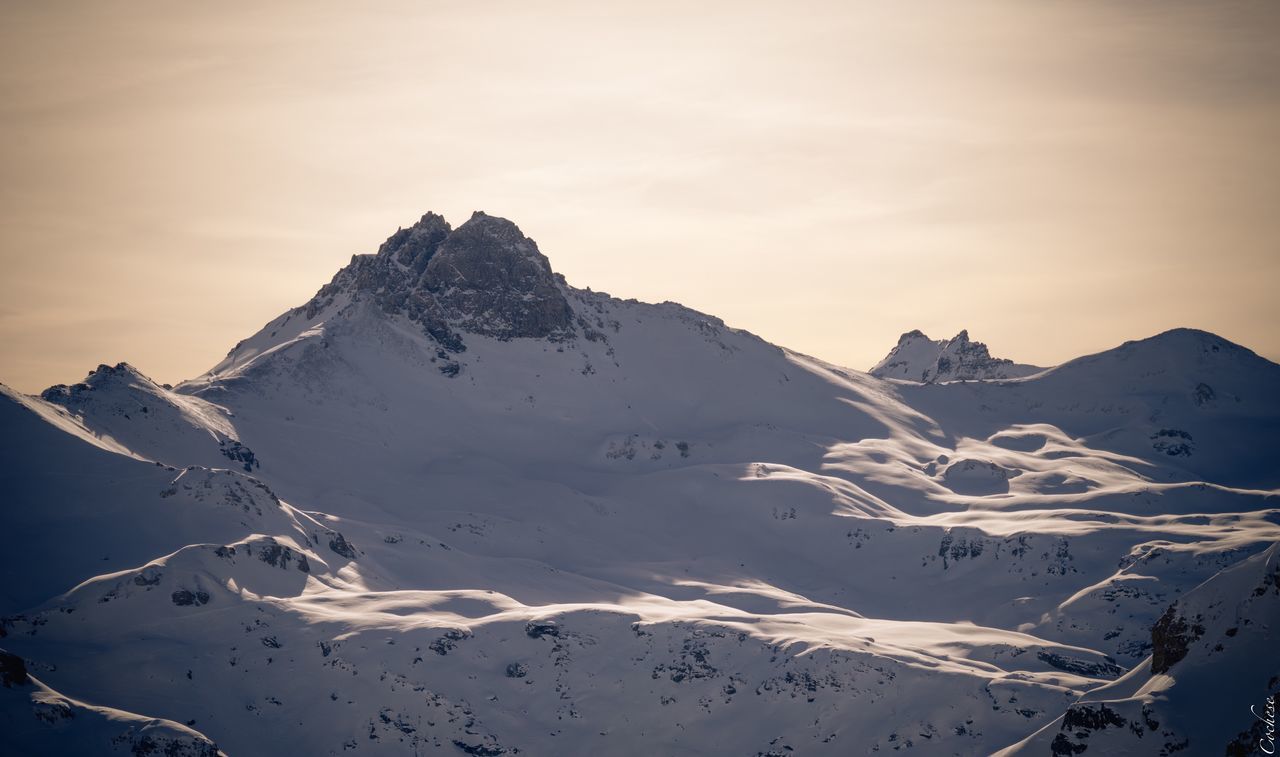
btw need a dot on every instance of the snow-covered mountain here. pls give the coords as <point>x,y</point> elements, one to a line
<point>916,357</point>
<point>454,505</point>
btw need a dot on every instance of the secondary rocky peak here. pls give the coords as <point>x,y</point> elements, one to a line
<point>414,246</point>
<point>919,358</point>
<point>102,376</point>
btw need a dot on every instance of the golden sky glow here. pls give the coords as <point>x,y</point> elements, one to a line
<point>1057,177</point>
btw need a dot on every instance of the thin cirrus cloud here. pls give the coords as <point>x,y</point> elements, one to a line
<point>1055,177</point>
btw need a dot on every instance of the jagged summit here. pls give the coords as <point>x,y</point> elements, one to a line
<point>485,277</point>
<point>491,279</point>
<point>414,246</point>
<point>916,357</point>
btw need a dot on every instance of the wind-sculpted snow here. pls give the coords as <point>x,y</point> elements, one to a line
<point>454,506</point>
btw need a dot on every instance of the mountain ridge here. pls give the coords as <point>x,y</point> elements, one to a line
<point>410,515</point>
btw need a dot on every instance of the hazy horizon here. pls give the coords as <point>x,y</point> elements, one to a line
<point>1055,178</point>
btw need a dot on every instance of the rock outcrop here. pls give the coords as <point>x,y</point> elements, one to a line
<point>485,277</point>
<point>916,357</point>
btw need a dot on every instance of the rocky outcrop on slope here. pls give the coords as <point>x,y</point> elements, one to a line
<point>916,357</point>
<point>1171,638</point>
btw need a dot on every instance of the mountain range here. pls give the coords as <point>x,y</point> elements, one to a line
<point>454,505</point>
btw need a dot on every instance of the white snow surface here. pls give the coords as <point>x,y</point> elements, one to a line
<point>656,535</point>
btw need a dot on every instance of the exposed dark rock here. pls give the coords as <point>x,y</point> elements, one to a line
<point>341,546</point>
<point>952,549</point>
<point>1091,717</point>
<point>237,452</point>
<point>537,629</point>
<point>694,664</point>
<point>491,279</point>
<point>1107,669</point>
<point>485,277</point>
<point>1173,442</point>
<point>481,749</point>
<point>1080,720</point>
<point>517,670</point>
<point>280,556</point>
<point>148,577</point>
<point>446,643</point>
<point>1171,638</point>
<point>1063,746</point>
<point>414,246</point>
<point>13,671</point>
<point>144,744</point>
<point>1270,582</point>
<point>52,712</point>
<point>185,598</point>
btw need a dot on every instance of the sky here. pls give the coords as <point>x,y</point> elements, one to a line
<point>1056,177</point>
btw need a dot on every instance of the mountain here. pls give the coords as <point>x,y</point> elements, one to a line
<point>1216,632</point>
<point>454,505</point>
<point>916,357</point>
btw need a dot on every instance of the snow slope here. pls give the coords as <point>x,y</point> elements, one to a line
<point>1221,632</point>
<point>453,505</point>
<point>39,720</point>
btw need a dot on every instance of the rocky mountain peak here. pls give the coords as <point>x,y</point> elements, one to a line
<point>414,246</point>
<point>919,358</point>
<point>491,279</point>
<point>484,277</point>
<point>488,252</point>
